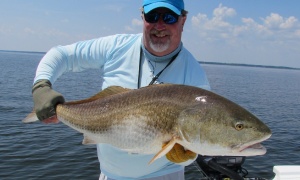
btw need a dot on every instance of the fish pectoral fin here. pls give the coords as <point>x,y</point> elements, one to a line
<point>165,149</point>
<point>178,154</point>
<point>88,140</point>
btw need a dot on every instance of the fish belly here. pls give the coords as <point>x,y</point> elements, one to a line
<point>132,134</point>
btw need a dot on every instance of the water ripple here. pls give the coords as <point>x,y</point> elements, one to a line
<point>38,151</point>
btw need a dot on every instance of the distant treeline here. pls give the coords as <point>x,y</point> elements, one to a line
<point>27,52</point>
<point>201,62</point>
<point>248,65</point>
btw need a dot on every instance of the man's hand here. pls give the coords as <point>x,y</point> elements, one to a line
<point>178,154</point>
<point>45,99</point>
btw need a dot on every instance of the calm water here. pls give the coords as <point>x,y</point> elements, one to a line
<point>37,151</point>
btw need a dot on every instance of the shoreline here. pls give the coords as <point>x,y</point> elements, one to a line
<point>201,62</point>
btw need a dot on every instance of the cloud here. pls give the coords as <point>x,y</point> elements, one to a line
<point>137,22</point>
<point>218,27</point>
<point>275,21</point>
<point>266,40</point>
<point>222,12</point>
<point>135,26</point>
<point>218,20</point>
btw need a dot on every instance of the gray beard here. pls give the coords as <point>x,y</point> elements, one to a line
<point>159,47</point>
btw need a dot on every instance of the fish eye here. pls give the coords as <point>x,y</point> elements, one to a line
<point>239,126</point>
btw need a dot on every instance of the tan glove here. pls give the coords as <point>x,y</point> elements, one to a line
<point>178,154</point>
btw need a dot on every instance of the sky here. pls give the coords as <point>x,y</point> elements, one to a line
<point>260,32</point>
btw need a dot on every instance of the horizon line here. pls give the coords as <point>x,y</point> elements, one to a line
<point>201,62</point>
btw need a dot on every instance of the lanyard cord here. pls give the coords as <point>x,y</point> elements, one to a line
<point>158,74</point>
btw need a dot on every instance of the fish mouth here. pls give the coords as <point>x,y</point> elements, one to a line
<point>253,148</point>
<point>258,148</point>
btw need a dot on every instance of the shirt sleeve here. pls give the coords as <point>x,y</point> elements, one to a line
<point>76,57</point>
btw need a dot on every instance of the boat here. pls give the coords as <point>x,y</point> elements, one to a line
<point>286,172</point>
<point>230,167</point>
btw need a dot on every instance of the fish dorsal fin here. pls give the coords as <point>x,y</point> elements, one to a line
<point>112,90</point>
<point>165,149</point>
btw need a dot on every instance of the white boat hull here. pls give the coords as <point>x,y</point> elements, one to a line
<point>287,172</point>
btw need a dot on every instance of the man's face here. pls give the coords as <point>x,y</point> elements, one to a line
<point>160,38</point>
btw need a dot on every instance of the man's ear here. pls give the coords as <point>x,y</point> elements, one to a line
<point>183,21</point>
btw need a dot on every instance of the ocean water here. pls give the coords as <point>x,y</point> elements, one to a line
<point>38,151</point>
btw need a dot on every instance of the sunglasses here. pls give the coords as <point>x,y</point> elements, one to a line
<point>168,17</point>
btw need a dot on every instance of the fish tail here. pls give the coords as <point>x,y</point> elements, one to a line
<point>32,117</point>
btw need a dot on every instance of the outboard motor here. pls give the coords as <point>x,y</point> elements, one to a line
<point>220,167</point>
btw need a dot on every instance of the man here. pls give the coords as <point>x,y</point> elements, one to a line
<point>131,61</point>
